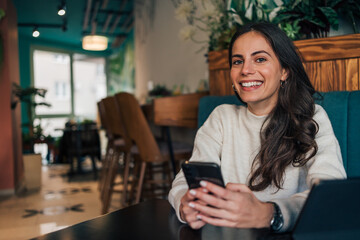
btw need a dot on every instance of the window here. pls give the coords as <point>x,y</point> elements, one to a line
<point>89,85</point>
<point>52,72</point>
<point>74,83</point>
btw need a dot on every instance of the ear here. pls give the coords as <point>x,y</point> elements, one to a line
<point>284,74</point>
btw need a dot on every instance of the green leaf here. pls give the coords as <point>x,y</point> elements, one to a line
<point>331,16</point>
<point>316,22</point>
<point>295,4</point>
<point>333,3</point>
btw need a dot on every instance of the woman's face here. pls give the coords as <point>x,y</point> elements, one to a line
<point>256,72</point>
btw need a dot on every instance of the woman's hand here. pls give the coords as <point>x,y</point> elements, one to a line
<point>233,206</point>
<point>188,213</point>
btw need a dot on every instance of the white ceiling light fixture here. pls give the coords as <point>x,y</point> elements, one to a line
<point>35,33</point>
<point>62,9</point>
<point>94,43</point>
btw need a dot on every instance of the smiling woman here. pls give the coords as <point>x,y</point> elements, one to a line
<point>271,150</point>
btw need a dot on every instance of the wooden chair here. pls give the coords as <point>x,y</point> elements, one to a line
<point>79,141</point>
<point>103,123</point>
<point>118,152</point>
<point>152,171</point>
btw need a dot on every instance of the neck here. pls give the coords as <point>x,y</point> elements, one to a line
<point>261,109</point>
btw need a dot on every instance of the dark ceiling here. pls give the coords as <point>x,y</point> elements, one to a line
<point>112,18</point>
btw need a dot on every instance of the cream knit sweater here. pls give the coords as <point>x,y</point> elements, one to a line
<point>231,138</point>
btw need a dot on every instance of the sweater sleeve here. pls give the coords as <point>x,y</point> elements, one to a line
<point>207,148</point>
<point>326,164</point>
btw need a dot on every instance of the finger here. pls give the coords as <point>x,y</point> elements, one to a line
<point>197,224</point>
<point>209,211</point>
<point>213,188</point>
<point>189,213</point>
<point>200,202</point>
<point>208,199</point>
<point>237,187</point>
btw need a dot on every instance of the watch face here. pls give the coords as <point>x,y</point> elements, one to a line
<point>277,222</point>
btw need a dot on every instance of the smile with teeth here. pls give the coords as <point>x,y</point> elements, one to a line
<point>251,84</point>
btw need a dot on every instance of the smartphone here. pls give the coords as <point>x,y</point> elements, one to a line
<point>196,171</point>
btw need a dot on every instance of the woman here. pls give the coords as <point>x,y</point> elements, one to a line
<point>270,151</point>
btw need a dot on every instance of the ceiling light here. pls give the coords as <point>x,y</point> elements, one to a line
<point>95,43</point>
<point>62,9</point>
<point>35,33</point>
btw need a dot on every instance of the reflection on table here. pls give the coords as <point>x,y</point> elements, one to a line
<point>153,219</point>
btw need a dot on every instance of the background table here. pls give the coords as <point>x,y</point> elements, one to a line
<point>153,219</point>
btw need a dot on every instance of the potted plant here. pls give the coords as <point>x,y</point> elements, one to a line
<point>313,19</point>
<point>299,19</point>
<point>32,162</point>
<point>26,95</point>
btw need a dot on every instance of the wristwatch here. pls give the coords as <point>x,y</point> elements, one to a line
<point>277,221</point>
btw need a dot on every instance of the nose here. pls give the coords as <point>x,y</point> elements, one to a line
<point>247,68</point>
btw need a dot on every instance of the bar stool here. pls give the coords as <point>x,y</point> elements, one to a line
<point>151,158</point>
<point>118,153</point>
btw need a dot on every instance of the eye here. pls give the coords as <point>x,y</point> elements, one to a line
<point>237,62</point>
<point>260,60</point>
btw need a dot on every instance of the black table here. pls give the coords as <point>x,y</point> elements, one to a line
<point>153,219</point>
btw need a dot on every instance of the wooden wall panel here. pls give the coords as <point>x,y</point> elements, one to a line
<point>220,80</point>
<point>314,75</point>
<point>320,49</point>
<point>218,60</point>
<point>339,75</point>
<point>352,74</point>
<point>332,64</point>
<point>326,76</point>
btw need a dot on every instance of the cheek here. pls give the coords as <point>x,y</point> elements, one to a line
<point>271,75</point>
<point>234,73</point>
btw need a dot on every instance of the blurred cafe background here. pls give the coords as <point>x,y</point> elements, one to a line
<point>99,98</point>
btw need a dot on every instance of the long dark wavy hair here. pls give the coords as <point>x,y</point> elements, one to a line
<point>288,133</point>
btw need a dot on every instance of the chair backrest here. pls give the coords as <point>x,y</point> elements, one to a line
<point>137,127</point>
<point>102,114</point>
<point>114,121</point>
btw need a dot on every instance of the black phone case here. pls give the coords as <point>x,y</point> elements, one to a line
<point>196,171</point>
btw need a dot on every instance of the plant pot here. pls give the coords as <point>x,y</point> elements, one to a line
<point>32,171</point>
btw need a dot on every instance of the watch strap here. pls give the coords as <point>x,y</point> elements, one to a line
<point>277,222</point>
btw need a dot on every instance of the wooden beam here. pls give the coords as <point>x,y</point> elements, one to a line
<point>87,15</point>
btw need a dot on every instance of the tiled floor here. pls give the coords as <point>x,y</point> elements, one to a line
<point>58,204</point>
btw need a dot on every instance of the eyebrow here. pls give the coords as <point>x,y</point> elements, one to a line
<point>252,54</point>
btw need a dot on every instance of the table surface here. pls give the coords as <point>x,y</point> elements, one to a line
<point>154,219</point>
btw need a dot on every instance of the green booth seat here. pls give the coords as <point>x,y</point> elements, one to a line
<point>343,109</point>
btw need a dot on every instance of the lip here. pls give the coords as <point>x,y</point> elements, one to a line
<point>250,88</point>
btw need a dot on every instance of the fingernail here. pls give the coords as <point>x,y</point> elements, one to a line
<point>192,192</point>
<point>203,183</point>
<point>198,216</point>
<point>192,205</point>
